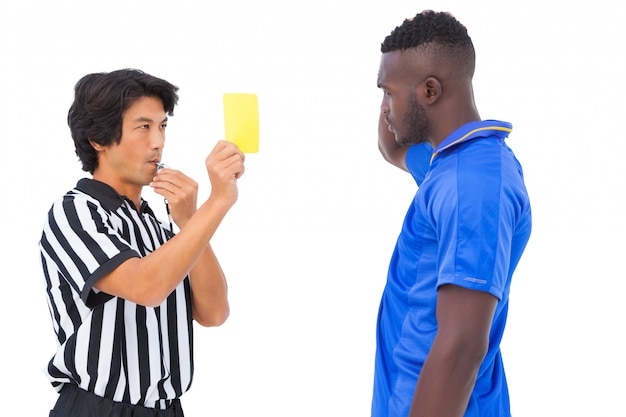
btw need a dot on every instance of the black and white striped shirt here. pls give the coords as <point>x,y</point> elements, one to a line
<point>106,345</point>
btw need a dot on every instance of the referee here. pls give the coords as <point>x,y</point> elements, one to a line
<point>122,289</point>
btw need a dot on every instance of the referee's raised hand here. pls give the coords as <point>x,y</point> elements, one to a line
<point>225,164</point>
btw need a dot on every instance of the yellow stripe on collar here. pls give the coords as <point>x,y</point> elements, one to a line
<point>467,135</point>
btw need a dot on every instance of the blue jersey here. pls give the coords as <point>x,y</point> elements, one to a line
<point>468,225</point>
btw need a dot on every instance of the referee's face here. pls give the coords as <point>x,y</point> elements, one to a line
<point>132,163</point>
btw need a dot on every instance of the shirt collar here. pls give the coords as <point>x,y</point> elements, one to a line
<point>105,194</point>
<point>473,130</point>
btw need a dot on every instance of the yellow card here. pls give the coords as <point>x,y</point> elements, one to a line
<point>241,121</point>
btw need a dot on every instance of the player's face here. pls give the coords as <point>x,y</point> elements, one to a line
<point>406,117</point>
<point>415,125</point>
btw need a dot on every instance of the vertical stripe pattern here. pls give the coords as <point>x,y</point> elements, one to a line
<point>107,345</point>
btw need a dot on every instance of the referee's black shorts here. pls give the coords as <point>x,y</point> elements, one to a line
<point>75,402</point>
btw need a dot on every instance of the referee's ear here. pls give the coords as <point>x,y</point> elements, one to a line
<point>96,145</point>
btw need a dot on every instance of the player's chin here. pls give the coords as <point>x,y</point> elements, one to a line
<point>403,140</point>
<point>410,140</point>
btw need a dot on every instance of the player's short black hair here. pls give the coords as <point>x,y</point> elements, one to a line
<point>426,27</point>
<point>440,32</point>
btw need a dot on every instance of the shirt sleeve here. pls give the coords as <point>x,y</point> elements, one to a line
<point>475,224</point>
<point>418,161</point>
<point>86,244</point>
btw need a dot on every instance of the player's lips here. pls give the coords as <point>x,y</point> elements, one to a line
<point>389,126</point>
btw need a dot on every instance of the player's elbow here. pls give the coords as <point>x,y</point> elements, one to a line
<point>477,353</point>
<point>464,353</point>
<point>471,352</point>
<point>395,155</point>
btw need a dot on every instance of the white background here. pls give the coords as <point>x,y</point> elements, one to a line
<point>306,247</point>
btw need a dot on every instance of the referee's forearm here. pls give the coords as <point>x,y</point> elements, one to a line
<point>209,290</point>
<point>148,281</point>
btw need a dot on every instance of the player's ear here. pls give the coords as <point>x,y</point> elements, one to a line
<point>431,90</point>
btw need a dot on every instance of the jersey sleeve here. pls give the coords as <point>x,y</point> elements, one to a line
<point>81,240</point>
<point>476,221</point>
<point>418,161</point>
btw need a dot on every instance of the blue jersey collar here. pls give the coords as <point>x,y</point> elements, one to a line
<point>474,130</point>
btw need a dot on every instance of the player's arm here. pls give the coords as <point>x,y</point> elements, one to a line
<point>448,376</point>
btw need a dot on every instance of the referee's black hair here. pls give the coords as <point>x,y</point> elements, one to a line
<point>100,101</point>
<point>440,32</point>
